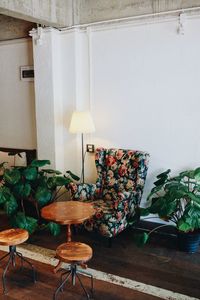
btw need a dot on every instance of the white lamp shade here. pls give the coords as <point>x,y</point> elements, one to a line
<point>81,122</point>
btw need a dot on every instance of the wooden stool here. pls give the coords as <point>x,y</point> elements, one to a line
<point>75,254</point>
<point>12,238</point>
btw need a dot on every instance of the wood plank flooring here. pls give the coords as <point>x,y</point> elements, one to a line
<point>21,287</point>
<point>159,263</point>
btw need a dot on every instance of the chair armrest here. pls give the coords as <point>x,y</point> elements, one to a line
<point>84,191</point>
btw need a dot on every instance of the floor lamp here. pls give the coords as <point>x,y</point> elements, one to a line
<point>81,122</point>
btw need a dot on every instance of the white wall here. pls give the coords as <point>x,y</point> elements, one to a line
<point>141,82</point>
<point>145,83</point>
<point>17,108</point>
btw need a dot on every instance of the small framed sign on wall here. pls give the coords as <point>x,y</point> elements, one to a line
<point>27,73</point>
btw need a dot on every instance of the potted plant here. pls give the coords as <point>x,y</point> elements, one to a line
<point>176,199</point>
<point>25,190</point>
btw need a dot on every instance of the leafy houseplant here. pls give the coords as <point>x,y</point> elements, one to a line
<point>175,199</point>
<point>25,190</point>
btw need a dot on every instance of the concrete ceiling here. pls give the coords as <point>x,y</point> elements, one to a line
<point>11,28</point>
<point>17,17</point>
<point>65,13</point>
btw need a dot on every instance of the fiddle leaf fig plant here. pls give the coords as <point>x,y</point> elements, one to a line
<point>32,186</point>
<point>175,199</point>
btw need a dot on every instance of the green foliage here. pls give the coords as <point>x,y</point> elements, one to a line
<point>54,228</point>
<point>20,220</point>
<point>141,239</point>
<point>175,199</point>
<point>31,186</point>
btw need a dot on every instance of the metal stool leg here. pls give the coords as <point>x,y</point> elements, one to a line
<point>86,293</point>
<point>61,277</point>
<point>61,285</point>
<point>91,277</point>
<point>28,262</point>
<point>11,253</point>
<point>73,268</point>
<point>21,257</point>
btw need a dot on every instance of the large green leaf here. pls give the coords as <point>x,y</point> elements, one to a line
<point>191,212</point>
<point>141,239</point>
<point>51,183</point>
<point>5,194</point>
<point>50,171</point>
<point>11,206</point>
<point>189,174</point>
<point>184,226</point>
<point>161,181</point>
<point>155,190</point>
<point>161,175</point>
<point>144,211</point>
<point>60,181</point>
<point>41,180</point>
<point>174,192</point>
<point>174,186</point>
<point>163,206</point>
<point>12,176</point>
<point>30,173</point>
<point>197,174</point>
<point>43,195</point>
<point>40,163</point>
<point>73,176</point>
<point>22,190</point>
<point>24,222</point>
<point>193,197</point>
<point>54,228</point>
<point>56,181</point>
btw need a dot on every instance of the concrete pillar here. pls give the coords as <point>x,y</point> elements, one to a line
<point>48,96</point>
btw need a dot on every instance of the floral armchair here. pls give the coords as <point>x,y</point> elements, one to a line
<point>118,189</point>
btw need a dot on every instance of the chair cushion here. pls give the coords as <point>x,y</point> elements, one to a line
<point>108,220</point>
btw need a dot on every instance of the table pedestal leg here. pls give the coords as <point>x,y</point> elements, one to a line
<point>69,238</point>
<point>69,234</point>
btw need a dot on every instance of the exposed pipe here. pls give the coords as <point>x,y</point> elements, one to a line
<point>183,10</point>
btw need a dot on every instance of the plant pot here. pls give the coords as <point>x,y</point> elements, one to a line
<point>188,241</point>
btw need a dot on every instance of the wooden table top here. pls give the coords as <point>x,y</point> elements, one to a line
<point>68,212</point>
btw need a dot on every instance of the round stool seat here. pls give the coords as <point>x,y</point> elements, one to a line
<point>74,252</point>
<point>13,237</point>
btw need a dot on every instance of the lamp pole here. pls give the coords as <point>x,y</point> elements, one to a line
<point>82,142</point>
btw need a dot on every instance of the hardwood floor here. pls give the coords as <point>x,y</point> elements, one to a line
<point>158,264</point>
<point>21,287</point>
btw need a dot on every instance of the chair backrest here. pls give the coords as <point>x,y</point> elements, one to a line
<point>121,170</point>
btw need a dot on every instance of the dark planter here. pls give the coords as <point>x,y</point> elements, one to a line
<point>188,242</point>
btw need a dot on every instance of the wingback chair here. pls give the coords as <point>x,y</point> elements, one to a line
<point>118,189</point>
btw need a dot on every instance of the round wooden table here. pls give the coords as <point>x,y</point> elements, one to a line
<point>68,213</point>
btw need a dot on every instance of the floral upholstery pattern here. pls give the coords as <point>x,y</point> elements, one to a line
<point>118,189</point>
